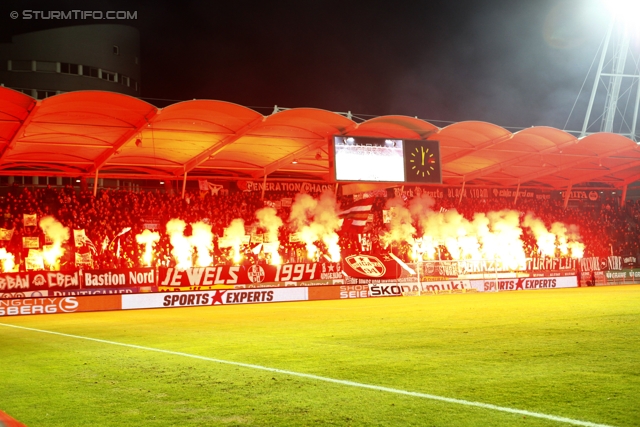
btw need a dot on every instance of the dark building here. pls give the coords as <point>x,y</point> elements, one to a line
<point>86,57</point>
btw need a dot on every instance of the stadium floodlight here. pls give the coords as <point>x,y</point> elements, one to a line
<point>626,12</point>
<point>617,79</point>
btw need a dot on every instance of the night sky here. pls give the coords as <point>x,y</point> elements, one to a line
<point>514,63</point>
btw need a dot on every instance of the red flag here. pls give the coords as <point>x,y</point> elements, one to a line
<point>6,420</point>
<point>355,215</point>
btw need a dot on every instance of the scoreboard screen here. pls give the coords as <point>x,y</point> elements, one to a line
<point>368,159</point>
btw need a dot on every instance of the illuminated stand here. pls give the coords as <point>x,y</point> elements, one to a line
<point>616,89</point>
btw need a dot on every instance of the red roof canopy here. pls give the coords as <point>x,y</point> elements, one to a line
<point>81,133</point>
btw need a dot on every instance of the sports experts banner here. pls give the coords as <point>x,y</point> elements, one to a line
<point>525,283</point>
<point>214,297</point>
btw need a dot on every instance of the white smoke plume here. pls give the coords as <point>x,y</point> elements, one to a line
<point>505,228</point>
<point>317,220</point>
<point>269,220</point>
<point>576,247</point>
<point>400,226</point>
<point>546,240</point>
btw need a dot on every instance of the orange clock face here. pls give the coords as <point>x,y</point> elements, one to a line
<point>422,161</point>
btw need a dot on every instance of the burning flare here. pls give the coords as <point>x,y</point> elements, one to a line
<point>202,239</point>
<point>148,239</point>
<point>494,235</point>
<point>58,234</point>
<point>181,247</point>
<point>233,236</point>
<point>7,259</point>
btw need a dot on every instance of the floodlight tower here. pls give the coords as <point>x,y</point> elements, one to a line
<point>616,89</point>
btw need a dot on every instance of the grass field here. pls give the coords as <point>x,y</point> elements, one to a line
<point>571,353</point>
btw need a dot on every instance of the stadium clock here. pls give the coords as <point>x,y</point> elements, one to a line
<point>422,161</point>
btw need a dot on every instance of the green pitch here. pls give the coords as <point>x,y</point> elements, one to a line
<point>567,354</point>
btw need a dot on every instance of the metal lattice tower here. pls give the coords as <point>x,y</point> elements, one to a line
<point>615,97</point>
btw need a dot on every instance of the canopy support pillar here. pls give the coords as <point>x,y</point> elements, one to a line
<point>461,192</point>
<point>184,184</point>
<point>624,195</point>
<point>567,194</point>
<point>264,182</point>
<point>515,199</point>
<point>95,184</point>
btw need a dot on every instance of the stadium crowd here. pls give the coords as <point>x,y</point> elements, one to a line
<point>605,228</point>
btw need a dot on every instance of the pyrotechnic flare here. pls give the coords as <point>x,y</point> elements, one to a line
<point>271,222</point>
<point>202,239</point>
<point>233,236</point>
<point>7,259</point>
<point>58,234</point>
<point>148,239</point>
<point>327,221</point>
<point>271,248</point>
<point>181,247</point>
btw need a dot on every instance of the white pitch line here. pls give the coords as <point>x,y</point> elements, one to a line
<point>330,380</point>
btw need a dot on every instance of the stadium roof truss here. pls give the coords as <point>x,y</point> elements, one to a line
<point>93,133</point>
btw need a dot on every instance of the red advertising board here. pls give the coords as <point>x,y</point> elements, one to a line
<point>54,305</point>
<point>338,292</point>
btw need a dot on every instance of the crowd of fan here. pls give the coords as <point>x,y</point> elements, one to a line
<point>606,228</point>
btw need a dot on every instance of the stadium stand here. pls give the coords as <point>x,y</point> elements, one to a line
<point>605,229</point>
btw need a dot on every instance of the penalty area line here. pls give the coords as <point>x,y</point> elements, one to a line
<point>329,380</point>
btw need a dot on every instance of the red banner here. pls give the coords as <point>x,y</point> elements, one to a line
<point>247,275</point>
<point>38,281</point>
<point>51,305</point>
<point>118,278</point>
<point>201,276</point>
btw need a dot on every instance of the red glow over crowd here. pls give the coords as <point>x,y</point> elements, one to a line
<point>114,221</point>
